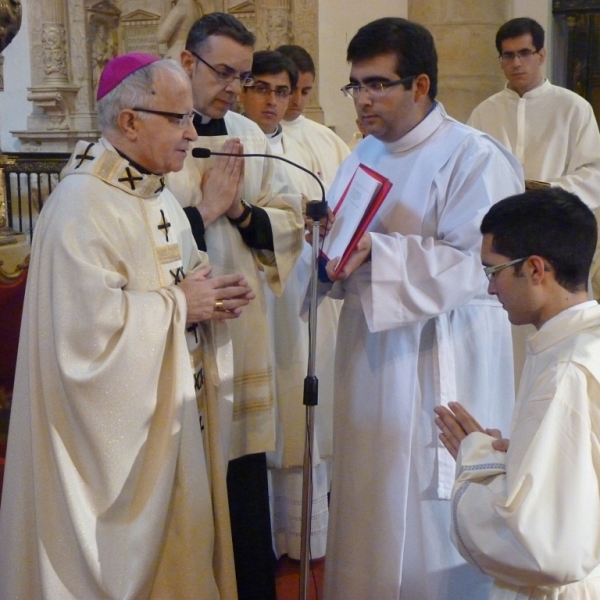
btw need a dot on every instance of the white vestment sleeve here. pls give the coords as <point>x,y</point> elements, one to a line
<point>536,522</point>
<point>582,174</point>
<point>417,277</point>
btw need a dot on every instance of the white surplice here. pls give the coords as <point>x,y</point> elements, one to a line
<point>327,148</point>
<point>554,134</point>
<point>531,517</point>
<point>290,344</point>
<point>417,329</point>
<point>108,482</point>
<point>253,428</point>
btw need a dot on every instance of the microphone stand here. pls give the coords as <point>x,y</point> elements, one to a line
<point>315,210</point>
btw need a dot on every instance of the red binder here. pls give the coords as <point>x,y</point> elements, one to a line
<point>370,211</point>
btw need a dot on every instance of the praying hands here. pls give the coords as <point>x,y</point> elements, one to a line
<point>456,423</point>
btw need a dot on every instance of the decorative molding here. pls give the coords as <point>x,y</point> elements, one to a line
<point>52,141</point>
<point>139,31</point>
<point>139,16</point>
<point>246,12</point>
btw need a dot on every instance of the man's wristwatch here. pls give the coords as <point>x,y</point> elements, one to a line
<point>247,209</point>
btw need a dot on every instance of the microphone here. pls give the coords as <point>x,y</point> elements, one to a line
<point>316,210</point>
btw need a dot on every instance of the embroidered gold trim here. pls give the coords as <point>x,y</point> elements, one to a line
<point>168,254</point>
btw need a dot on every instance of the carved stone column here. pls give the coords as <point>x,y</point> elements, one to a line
<point>464,33</point>
<point>53,95</point>
<point>273,23</point>
<point>54,42</point>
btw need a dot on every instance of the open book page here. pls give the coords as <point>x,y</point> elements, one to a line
<point>349,212</point>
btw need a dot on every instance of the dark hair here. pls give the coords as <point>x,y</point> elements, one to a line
<point>271,62</point>
<point>551,223</point>
<point>410,42</point>
<point>218,23</point>
<point>518,27</point>
<point>300,57</point>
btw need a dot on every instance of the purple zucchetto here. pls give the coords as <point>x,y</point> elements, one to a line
<point>119,68</point>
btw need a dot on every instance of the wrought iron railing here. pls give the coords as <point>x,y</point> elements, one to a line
<point>27,179</point>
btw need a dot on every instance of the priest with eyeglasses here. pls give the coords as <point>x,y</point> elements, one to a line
<point>417,327</point>
<point>248,222</point>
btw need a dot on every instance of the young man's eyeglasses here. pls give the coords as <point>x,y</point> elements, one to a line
<point>263,89</point>
<point>374,89</point>
<point>525,54</point>
<point>182,119</point>
<point>490,272</point>
<point>228,75</point>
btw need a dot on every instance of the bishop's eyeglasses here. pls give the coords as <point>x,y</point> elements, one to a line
<point>181,119</point>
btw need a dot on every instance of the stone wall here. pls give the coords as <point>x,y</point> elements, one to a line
<point>464,32</point>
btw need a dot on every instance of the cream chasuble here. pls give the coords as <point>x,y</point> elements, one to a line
<point>253,428</point>
<point>417,329</point>
<point>111,489</point>
<point>327,149</point>
<point>531,517</point>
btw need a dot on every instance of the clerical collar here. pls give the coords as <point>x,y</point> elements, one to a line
<point>137,166</point>
<point>538,90</point>
<point>275,140</point>
<point>422,130</point>
<point>276,133</point>
<point>205,126</point>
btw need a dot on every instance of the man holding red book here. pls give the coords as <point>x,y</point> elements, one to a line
<point>417,328</point>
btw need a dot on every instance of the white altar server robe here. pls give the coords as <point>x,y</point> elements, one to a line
<point>531,517</point>
<point>554,134</point>
<point>327,148</point>
<point>417,329</point>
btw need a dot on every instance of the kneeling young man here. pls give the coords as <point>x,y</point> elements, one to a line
<point>528,512</point>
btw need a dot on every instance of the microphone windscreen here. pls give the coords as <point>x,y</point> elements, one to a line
<point>201,152</point>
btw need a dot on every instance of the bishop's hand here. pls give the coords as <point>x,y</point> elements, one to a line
<point>214,298</point>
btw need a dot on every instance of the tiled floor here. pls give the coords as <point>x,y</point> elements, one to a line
<point>288,579</point>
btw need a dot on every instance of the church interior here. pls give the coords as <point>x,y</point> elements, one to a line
<point>55,50</point>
